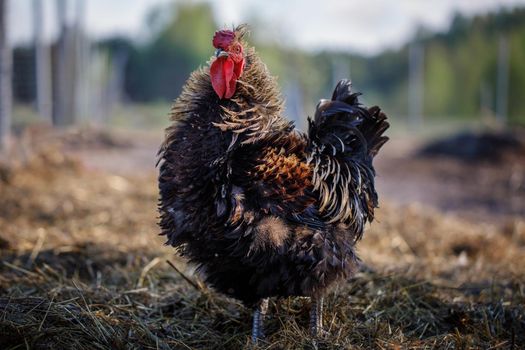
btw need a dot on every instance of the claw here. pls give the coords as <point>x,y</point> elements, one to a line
<point>258,320</point>
<point>316,317</point>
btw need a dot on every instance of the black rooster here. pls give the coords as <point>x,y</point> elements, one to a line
<point>264,210</point>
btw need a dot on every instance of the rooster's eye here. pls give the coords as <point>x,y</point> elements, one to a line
<point>237,49</point>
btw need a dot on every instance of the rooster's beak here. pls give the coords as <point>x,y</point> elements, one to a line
<point>221,53</point>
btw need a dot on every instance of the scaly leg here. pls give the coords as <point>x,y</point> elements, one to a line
<point>258,318</point>
<point>316,317</point>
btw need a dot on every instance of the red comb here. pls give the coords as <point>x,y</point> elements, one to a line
<point>223,38</point>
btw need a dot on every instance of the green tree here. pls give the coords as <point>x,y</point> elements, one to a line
<point>158,70</point>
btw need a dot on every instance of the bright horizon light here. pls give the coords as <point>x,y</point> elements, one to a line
<point>364,27</point>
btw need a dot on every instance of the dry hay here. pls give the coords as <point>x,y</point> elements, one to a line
<point>82,268</point>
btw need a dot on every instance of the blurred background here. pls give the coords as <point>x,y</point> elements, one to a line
<point>99,62</point>
<point>452,72</point>
<point>85,93</point>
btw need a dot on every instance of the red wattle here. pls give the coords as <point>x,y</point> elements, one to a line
<point>238,68</point>
<point>223,78</point>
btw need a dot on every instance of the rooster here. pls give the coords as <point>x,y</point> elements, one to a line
<point>262,209</point>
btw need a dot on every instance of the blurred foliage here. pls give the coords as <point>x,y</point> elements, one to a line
<point>159,69</point>
<point>460,70</point>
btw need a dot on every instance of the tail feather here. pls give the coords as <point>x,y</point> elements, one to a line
<point>344,113</point>
<point>343,92</point>
<point>344,137</point>
<point>373,130</point>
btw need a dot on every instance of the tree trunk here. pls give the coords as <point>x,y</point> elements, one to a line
<point>416,84</point>
<point>42,63</point>
<point>6,93</point>
<point>503,79</point>
<point>64,90</point>
<point>81,63</point>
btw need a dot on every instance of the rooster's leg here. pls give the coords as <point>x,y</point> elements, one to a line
<point>316,317</point>
<point>258,318</point>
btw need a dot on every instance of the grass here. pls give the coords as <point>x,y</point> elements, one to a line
<point>147,116</point>
<point>82,267</point>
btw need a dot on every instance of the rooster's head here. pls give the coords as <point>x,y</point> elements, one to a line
<point>228,63</point>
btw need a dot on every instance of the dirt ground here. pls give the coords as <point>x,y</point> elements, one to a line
<point>83,266</point>
<point>486,191</point>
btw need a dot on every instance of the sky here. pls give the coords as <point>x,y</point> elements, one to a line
<point>366,27</point>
